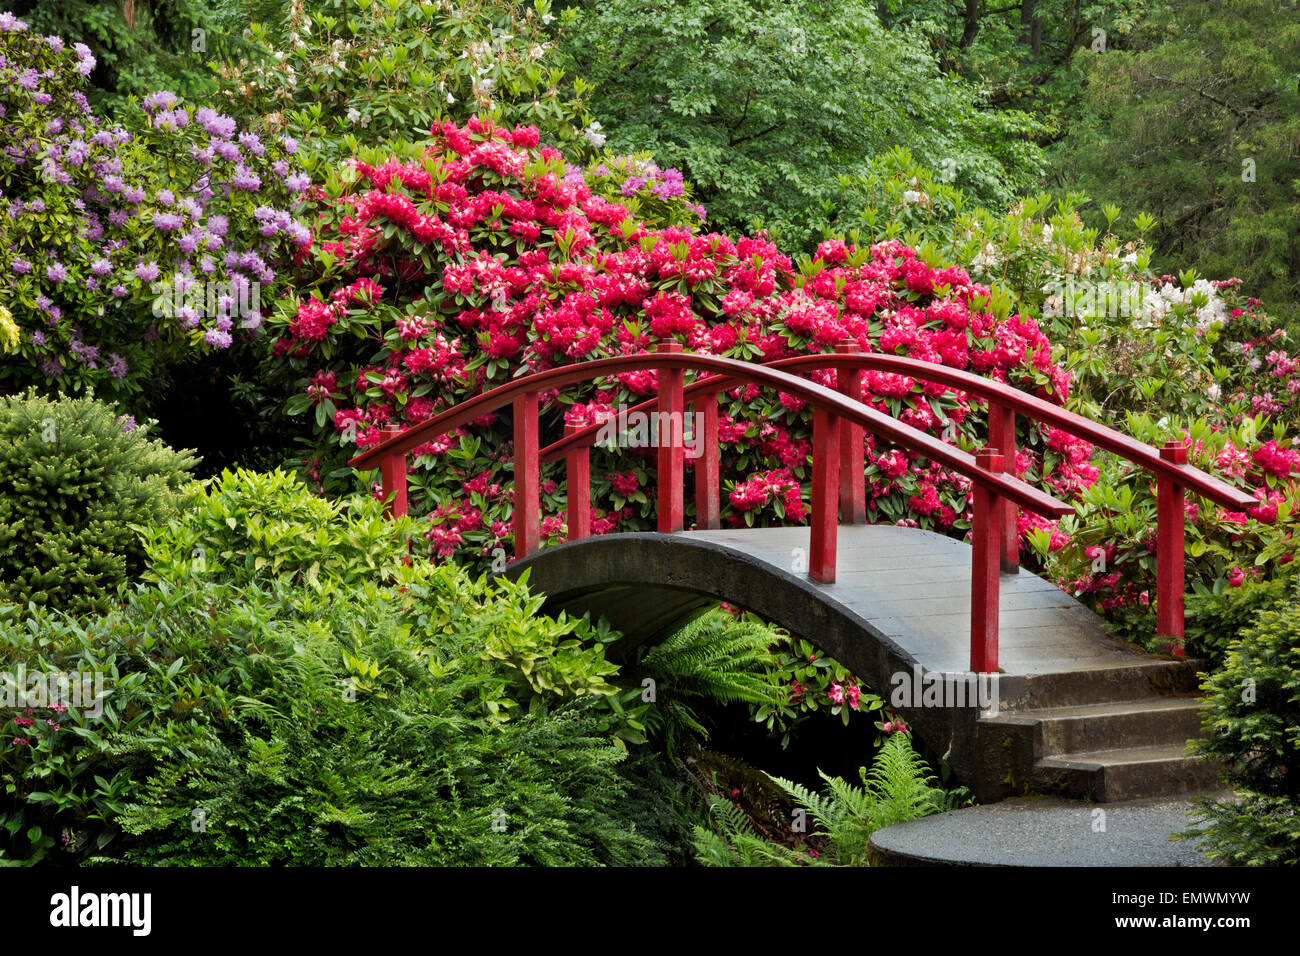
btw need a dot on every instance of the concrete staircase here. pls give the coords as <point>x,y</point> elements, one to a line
<point>1107,734</point>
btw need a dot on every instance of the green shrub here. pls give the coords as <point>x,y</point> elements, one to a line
<point>246,526</point>
<point>74,477</point>
<point>1214,621</point>
<point>277,724</point>
<point>1252,726</point>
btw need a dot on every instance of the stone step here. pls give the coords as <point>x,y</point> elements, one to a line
<point>1098,685</point>
<point>1131,773</point>
<point>1111,725</point>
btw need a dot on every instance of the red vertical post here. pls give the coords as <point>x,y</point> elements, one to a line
<point>825,485</point>
<point>706,467</point>
<point>392,472</point>
<point>1002,436</point>
<point>671,506</point>
<point>1170,552</point>
<point>577,481</point>
<point>853,488</point>
<point>527,491</point>
<point>985,601</point>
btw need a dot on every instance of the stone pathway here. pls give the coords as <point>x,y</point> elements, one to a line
<point>1045,831</point>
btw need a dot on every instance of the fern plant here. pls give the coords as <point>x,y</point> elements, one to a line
<point>899,787</point>
<point>734,842</point>
<point>716,658</point>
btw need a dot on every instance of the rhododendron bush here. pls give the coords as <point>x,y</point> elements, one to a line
<point>487,258</point>
<point>1110,559</point>
<point>125,247</point>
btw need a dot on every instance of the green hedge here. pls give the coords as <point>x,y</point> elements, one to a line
<point>1252,726</point>
<point>74,477</point>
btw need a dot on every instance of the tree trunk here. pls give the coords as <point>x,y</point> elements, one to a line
<point>972,28</point>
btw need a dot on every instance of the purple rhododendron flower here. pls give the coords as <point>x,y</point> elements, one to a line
<point>147,271</point>
<point>162,99</point>
<point>246,179</point>
<point>217,338</point>
<point>227,151</point>
<point>167,221</point>
<point>56,272</point>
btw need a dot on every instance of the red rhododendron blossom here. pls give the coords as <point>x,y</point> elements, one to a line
<point>456,272</point>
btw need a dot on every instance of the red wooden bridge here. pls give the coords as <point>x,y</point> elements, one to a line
<point>897,598</point>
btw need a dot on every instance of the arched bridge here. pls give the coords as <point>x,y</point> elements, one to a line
<point>939,626</point>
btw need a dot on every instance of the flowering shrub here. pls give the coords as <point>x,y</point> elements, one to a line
<point>329,71</point>
<point>815,683</point>
<point>124,247</point>
<point>1109,559</point>
<point>657,197</point>
<point>441,276</point>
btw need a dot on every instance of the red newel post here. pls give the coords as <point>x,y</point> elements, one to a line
<point>671,501</point>
<point>1170,545</point>
<point>853,493</point>
<point>1002,435</point>
<point>577,481</point>
<point>392,471</point>
<point>527,492</point>
<point>825,485</point>
<point>706,466</point>
<point>985,567</point>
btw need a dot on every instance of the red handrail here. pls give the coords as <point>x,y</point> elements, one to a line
<point>401,443</point>
<point>1174,477</point>
<point>839,417</point>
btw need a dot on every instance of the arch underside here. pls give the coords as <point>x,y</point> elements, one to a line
<point>901,601</point>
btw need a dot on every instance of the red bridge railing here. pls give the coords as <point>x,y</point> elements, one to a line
<point>839,420</point>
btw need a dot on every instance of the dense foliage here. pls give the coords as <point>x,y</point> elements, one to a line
<point>1252,727</point>
<point>1203,127</point>
<point>763,106</point>
<point>336,74</point>
<point>75,476</point>
<point>278,725</point>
